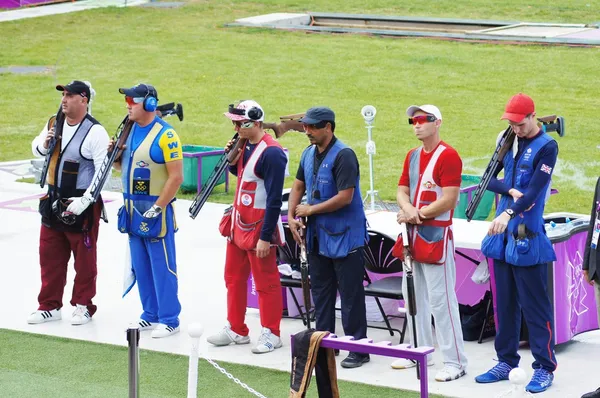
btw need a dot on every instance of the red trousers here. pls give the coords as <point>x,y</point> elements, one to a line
<point>238,264</point>
<point>55,252</point>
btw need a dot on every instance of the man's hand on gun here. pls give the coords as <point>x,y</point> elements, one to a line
<point>49,138</point>
<point>228,148</point>
<point>410,215</point>
<point>79,204</point>
<point>295,227</point>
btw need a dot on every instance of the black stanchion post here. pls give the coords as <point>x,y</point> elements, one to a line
<point>133,340</point>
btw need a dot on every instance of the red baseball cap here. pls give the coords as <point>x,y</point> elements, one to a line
<point>518,107</point>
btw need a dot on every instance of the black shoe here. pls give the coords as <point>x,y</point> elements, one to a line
<point>594,394</point>
<point>355,360</point>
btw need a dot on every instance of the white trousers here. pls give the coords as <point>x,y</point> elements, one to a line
<point>434,292</point>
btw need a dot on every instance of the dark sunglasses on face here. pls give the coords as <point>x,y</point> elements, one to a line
<point>421,119</point>
<point>319,125</point>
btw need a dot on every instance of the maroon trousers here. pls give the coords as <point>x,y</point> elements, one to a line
<point>55,251</point>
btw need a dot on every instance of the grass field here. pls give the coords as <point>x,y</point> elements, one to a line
<point>191,58</point>
<point>73,369</point>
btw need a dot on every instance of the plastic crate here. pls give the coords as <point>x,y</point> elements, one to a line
<point>198,164</point>
<point>467,189</point>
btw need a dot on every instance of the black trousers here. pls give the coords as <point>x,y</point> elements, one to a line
<point>327,276</point>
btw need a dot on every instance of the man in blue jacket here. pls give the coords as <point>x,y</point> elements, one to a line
<point>521,250</point>
<point>336,230</point>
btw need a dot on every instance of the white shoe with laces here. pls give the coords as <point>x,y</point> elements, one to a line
<point>145,325</point>
<point>267,342</point>
<point>403,363</point>
<point>227,336</point>
<point>449,373</point>
<point>164,331</point>
<point>41,316</point>
<point>81,315</point>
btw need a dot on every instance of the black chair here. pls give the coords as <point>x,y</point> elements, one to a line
<point>379,260</point>
<point>289,253</point>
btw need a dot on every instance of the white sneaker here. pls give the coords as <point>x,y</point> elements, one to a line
<point>145,325</point>
<point>81,315</point>
<point>449,373</point>
<point>267,342</point>
<point>227,336</point>
<point>40,316</point>
<point>403,363</point>
<point>164,331</point>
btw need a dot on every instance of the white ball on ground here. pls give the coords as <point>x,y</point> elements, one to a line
<point>195,330</point>
<point>517,376</point>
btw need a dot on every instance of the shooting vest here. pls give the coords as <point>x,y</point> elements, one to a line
<point>429,240</point>
<point>339,232</point>
<point>143,180</point>
<point>69,175</point>
<point>531,246</point>
<point>250,203</point>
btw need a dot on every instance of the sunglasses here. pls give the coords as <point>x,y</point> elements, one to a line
<point>421,119</point>
<point>244,125</point>
<point>134,100</point>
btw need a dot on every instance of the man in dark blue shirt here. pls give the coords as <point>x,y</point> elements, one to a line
<point>521,250</point>
<point>336,228</point>
<point>255,229</point>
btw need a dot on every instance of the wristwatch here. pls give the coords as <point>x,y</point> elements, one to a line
<point>510,212</point>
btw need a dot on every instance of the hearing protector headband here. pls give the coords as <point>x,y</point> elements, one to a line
<point>150,99</point>
<point>252,113</point>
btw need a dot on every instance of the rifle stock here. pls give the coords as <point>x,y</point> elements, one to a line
<point>56,120</point>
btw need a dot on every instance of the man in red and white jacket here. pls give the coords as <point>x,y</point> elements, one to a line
<point>255,231</point>
<point>427,195</point>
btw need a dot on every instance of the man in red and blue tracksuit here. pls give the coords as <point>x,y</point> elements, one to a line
<point>521,250</point>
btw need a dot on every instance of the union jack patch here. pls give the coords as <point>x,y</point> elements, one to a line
<point>546,169</point>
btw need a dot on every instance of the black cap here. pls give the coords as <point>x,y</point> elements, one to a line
<point>140,91</point>
<point>76,87</point>
<point>318,114</point>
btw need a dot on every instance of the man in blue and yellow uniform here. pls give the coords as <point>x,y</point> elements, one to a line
<point>152,171</point>
<point>520,248</point>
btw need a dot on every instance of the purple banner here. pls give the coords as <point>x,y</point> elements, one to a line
<point>574,302</point>
<point>571,296</point>
<point>252,295</point>
<point>23,3</point>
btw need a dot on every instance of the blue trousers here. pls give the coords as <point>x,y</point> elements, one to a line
<point>524,288</point>
<point>155,270</point>
<point>327,275</point>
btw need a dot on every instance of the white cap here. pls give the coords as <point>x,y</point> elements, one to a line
<point>247,110</point>
<point>430,109</point>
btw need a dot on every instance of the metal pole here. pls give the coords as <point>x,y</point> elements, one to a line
<point>195,331</point>
<point>370,152</point>
<point>133,339</point>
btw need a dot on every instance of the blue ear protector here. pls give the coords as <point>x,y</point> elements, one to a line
<point>150,100</point>
<point>253,113</point>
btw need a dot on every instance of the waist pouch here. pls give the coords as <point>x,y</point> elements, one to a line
<point>246,235</point>
<point>225,224</point>
<point>139,225</point>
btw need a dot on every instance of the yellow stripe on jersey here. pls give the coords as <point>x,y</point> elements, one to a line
<point>171,146</point>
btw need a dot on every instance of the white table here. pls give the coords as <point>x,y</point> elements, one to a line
<point>467,234</point>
